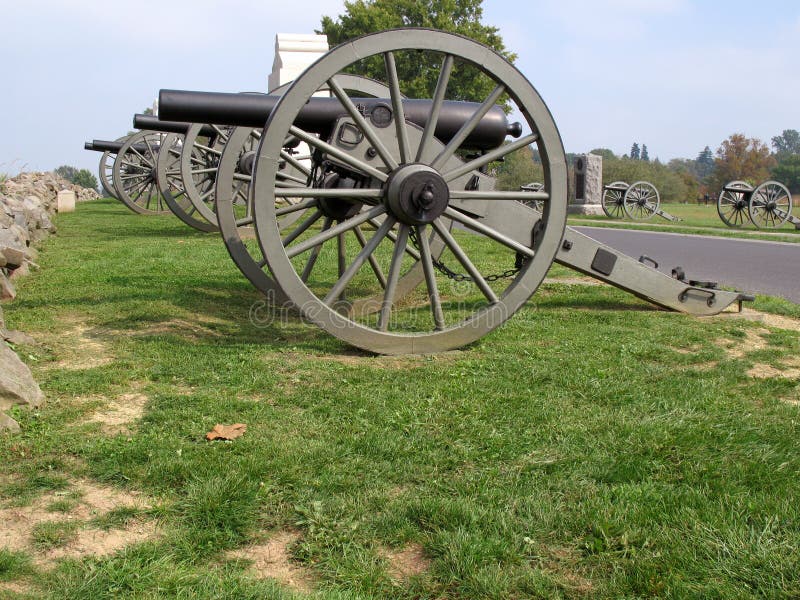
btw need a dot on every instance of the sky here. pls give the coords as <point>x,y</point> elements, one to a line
<point>676,75</point>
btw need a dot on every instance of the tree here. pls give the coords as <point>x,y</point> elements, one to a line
<point>787,143</point>
<point>604,152</point>
<point>787,171</point>
<point>704,164</point>
<point>743,158</point>
<point>83,177</point>
<point>645,156</point>
<point>419,80</point>
<point>635,155</point>
<point>518,169</point>
<point>66,172</point>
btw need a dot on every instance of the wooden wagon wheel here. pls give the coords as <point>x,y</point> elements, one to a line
<point>419,186</point>
<point>106,170</point>
<point>770,205</point>
<point>172,186</point>
<point>732,203</point>
<point>641,201</point>
<point>234,201</point>
<point>612,200</point>
<point>134,173</point>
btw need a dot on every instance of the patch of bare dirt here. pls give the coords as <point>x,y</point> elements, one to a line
<point>81,346</point>
<point>16,587</point>
<point>770,320</point>
<point>94,501</point>
<point>764,371</point>
<point>271,560</point>
<point>752,341</point>
<point>193,330</point>
<point>406,562</point>
<point>120,413</point>
<point>579,280</point>
<point>561,563</point>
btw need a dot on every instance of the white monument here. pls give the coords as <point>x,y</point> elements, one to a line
<point>65,201</point>
<point>293,53</point>
<point>588,185</point>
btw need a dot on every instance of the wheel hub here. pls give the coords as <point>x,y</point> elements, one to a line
<point>417,194</point>
<point>246,162</point>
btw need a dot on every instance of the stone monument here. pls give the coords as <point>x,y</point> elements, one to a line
<point>588,185</point>
<point>293,53</point>
<point>65,201</point>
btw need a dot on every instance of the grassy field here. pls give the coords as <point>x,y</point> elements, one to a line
<point>695,218</point>
<point>591,447</point>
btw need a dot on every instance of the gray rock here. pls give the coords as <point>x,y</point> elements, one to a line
<point>7,424</point>
<point>18,338</point>
<point>7,291</point>
<point>16,382</point>
<point>15,257</point>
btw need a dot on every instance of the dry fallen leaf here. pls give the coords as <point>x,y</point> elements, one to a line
<point>226,432</point>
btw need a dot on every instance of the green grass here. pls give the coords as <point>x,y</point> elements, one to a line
<point>695,219</point>
<point>591,447</point>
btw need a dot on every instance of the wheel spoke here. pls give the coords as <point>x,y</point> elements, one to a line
<point>467,128</point>
<point>485,159</point>
<point>324,236</point>
<point>295,163</point>
<point>394,274</point>
<point>312,259</point>
<point>302,228</point>
<point>430,278</point>
<point>359,165</point>
<point>298,192</point>
<point>362,124</point>
<point>475,225</point>
<point>296,207</point>
<point>436,107</point>
<point>347,274</point>
<point>376,268</point>
<point>397,106</point>
<point>461,256</point>
<point>490,195</point>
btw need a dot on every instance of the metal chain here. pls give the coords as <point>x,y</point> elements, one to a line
<point>450,274</point>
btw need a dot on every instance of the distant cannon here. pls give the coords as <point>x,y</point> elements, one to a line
<point>639,201</point>
<point>767,206</point>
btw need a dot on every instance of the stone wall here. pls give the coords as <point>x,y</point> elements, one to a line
<point>27,205</point>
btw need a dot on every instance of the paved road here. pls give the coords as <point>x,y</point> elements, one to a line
<point>748,265</point>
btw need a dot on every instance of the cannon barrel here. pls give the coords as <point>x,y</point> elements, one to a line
<point>113,147</point>
<point>151,123</point>
<point>318,115</point>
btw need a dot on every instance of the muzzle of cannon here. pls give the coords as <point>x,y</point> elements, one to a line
<point>318,115</point>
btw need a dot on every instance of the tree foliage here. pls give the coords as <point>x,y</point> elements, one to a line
<point>742,158</point>
<point>787,171</point>
<point>418,77</point>
<point>635,152</point>
<point>673,184</point>
<point>519,168</point>
<point>645,155</point>
<point>82,177</point>
<point>787,142</point>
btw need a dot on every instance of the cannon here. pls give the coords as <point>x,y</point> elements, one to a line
<point>109,151</point>
<point>170,181</point>
<point>639,201</point>
<point>534,186</point>
<point>768,205</point>
<point>394,239</point>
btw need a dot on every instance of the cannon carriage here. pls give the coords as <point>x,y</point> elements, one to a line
<point>389,231</point>
<point>638,201</point>
<point>767,206</point>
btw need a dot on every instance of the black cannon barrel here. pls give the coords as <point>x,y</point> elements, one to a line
<point>115,147</point>
<point>88,146</point>
<point>151,123</point>
<point>105,146</point>
<point>319,114</point>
